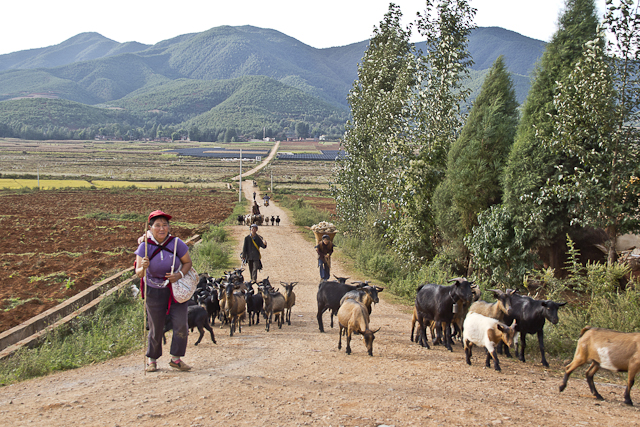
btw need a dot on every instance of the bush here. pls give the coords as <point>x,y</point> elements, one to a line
<point>212,254</point>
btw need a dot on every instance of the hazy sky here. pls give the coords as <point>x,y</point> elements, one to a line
<point>29,24</point>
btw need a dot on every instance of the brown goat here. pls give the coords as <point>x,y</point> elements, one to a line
<point>495,310</point>
<point>611,350</point>
<point>289,300</point>
<point>234,306</point>
<point>354,317</point>
<point>274,304</point>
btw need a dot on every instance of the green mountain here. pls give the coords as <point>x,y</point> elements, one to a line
<point>226,77</point>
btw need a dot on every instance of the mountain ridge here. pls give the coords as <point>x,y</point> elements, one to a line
<point>93,70</point>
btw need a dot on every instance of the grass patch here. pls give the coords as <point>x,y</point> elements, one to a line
<point>303,214</point>
<point>213,254</point>
<point>11,303</point>
<point>115,329</point>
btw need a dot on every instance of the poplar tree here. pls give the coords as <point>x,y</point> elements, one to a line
<point>435,117</point>
<point>386,77</point>
<point>477,158</point>
<point>530,163</point>
<point>596,129</point>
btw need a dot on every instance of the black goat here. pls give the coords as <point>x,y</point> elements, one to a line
<point>255,305</point>
<point>329,295</point>
<point>436,302</point>
<point>530,315</point>
<point>278,220</point>
<point>197,318</point>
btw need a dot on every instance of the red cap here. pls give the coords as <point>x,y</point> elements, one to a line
<point>159,213</point>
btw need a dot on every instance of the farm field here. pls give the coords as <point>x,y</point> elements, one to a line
<point>117,160</point>
<point>57,243</point>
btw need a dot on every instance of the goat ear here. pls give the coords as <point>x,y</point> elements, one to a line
<point>501,327</point>
<point>377,329</point>
<point>379,289</point>
<point>513,324</point>
<point>560,304</point>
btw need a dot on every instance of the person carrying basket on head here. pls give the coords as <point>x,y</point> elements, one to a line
<point>324,250</point>
<point>155,262</point>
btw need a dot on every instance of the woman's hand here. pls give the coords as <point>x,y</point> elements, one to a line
<point>141,265</point>
<point>173,278</point>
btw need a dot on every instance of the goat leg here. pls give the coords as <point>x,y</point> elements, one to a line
<point>630,381</point>
<point>496,362</point>
<point>523,346</point>
<point>447,338</point>
<point>319,317</point>
<point>201,330</point>
<point>541,343</point>
<point>592,386</point>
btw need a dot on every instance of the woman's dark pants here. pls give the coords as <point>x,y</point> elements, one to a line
<point>157,303</point>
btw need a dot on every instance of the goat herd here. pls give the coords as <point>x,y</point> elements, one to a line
<point>448,311</point>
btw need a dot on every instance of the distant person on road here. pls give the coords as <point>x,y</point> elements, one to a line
<point>156,267</point>
<point>266,199</point>
<point>254,196</point>
<point>251,252</point>
<point>325,249</point>
<point>255,209</point>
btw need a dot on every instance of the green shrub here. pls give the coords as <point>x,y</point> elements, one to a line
<point>211,254</point>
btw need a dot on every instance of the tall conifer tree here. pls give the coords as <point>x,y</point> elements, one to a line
<point>477,158</point>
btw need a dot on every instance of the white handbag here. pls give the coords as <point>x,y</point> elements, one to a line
<point>184,288</point>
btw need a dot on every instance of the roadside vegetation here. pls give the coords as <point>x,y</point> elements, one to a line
<point>429,190</point>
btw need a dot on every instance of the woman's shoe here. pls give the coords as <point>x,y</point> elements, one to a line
<point>180,365</point>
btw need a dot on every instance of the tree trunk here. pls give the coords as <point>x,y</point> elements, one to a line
<point>612,232</point>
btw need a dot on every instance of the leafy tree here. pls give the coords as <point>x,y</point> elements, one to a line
<point>497,244</point>
<point>230,135</point>
<point>386,77</point>
<point>477,158</point>
<point>530,163</point>
<point>595,128</point>
<point>302,130</point>
<point>434,118</point>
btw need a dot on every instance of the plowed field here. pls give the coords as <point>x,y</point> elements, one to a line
<point>53,246</point>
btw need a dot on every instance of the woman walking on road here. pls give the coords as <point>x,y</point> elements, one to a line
<point>156,267</point>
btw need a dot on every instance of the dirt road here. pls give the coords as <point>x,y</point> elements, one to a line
<point>296,375</point>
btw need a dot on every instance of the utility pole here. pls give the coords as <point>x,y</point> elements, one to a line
<point>240,189</point>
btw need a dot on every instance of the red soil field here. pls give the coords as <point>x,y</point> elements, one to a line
<point>51,251</point>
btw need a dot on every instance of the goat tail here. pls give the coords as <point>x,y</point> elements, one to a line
<point>585,329</point>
